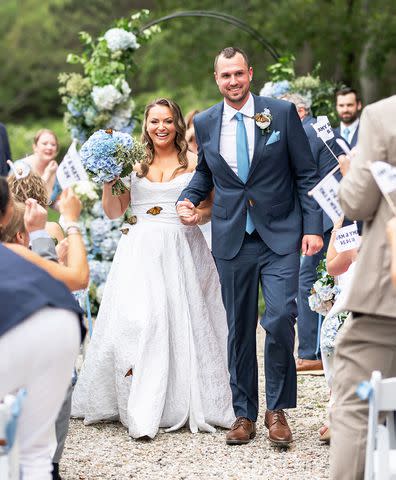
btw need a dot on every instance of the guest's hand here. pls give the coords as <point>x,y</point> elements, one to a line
<point>49,170</point>
<point>69,205</point>
<point>311,244</point>
<point>345,161</point>
<point>35,216</point>
<point>61,250</point>
<point>187,212</point>
<point>391,230</point>
<point>338,223</point>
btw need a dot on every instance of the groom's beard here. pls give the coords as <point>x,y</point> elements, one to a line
<point>238,98</point>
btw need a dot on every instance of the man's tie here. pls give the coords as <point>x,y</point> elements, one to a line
<point>346,133</point>
<point>243,160</point>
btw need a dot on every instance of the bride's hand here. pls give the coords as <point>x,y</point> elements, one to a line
<point>187,212</point>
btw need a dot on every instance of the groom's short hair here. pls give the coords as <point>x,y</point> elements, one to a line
<point>230,52</point>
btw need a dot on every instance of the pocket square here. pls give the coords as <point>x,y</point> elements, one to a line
<point>275,137</point>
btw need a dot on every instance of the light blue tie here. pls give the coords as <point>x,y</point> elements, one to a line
<point>346,133</point>
<point>243,160</point>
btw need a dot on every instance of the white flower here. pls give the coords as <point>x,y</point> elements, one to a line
<point>148,32</point>
<point>120,39</point>
<point>107,97</point>
<point>86,189</point>
<point>99,291</point>
<point>125,89</point>
<point>121,116</point>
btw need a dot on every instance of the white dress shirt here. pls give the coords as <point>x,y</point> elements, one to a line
<point>228,132</point>
<point>352,129</point>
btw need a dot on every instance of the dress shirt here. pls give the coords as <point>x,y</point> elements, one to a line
<point>352,129</point>
<point>228,132</point>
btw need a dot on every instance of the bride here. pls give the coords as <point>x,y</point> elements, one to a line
<point>157,357</point>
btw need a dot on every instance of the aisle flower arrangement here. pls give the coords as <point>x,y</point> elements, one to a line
<point>318,93</point>
<point>101,96</point>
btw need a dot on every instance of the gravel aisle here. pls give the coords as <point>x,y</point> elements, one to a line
<point>105,451</point>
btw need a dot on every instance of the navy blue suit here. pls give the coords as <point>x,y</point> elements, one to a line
<point>26,288</point>
<point>308,322</point>
<point>5,153</point>
<point>276,194</point>
<point>353,141</point>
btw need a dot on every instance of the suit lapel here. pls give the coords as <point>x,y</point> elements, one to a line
<point>214,129</point>
<point>260,139</point>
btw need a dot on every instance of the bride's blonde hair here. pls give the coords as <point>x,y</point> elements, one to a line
<point>180,139</point>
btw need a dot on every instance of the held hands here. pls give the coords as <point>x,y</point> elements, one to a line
<point>187,212</point>
<point>35,216</point>
<point>311,244</point>
<point>69,205</point>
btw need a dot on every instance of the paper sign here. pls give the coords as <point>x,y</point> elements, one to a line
<point>347,238</point>
<point>342,143</point>
<point>385,176</point>
<point>323,128</point>
<point>325,193</point>
<point>71,170</point>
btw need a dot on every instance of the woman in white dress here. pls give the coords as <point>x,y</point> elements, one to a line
<point>157,357</point>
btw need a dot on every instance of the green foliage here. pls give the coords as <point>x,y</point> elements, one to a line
<point>283,69</point>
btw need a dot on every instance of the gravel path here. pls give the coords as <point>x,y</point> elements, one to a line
<point>105,451</point>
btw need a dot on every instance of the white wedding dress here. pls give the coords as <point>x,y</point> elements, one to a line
<point>162,317</point>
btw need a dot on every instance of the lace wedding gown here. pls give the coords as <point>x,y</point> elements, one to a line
<point>161,317</point>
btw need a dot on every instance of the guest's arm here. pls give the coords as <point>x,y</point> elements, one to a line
<point>76,274</point>
<point>338,263</point>
<point>114,205</point>
<point>359,194</point>
<point>391,231</point>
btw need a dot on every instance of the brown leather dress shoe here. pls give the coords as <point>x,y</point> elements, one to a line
<point>241,431</point>
<point>309,367</point>
<point>279,432</point>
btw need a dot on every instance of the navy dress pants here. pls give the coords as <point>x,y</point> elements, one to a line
<point>308,324</point>
<point>240,278</point>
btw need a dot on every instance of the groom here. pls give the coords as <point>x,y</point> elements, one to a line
<point>262,215</point>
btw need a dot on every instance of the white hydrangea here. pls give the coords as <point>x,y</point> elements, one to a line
<point>149,32</point>
<point>120,39</point>
<point>107,97</point>
<point>86,189</point>
<point>120,118</point>
<point>125,89</point>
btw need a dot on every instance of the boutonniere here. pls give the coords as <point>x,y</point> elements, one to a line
<point>263,120</point>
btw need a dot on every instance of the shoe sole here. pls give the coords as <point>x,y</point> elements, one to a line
<point>241,442</point>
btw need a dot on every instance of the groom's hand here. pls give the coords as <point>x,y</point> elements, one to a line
<point>311,244</point>
<point>187,212</point>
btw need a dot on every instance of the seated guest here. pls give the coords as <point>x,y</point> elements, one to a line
<point>39,329</point>
<point>33,186</point>
<point>43,160</point>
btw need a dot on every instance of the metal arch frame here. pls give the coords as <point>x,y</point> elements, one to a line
<point>219,16</point>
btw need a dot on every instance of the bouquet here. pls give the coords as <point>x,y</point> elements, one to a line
<point>108,154</point>
<point>324,291</point>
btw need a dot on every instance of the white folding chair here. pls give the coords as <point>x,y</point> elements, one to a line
<point>381,438</point>
<point>10,409</point>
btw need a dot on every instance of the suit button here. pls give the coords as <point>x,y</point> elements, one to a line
<point>251,202</point>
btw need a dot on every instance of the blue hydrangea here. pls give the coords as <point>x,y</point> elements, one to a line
<point>74,109</point>
<point>98,271</point>
<point>78,134</point>
<point>275,89</point>
<point>98,154</point>
<point>108,248</point>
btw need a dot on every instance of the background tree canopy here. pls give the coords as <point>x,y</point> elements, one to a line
<point>354,40</point>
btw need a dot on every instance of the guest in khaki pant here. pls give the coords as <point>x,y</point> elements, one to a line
<point>368,339</point>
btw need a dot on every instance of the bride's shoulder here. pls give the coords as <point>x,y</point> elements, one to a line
<point>192,161</point>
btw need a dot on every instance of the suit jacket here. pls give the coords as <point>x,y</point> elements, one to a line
<point>26,288</point>
<point>372,291</point>
<point>5,153</point>
<point>275,192</point>
<point>325,161</point>
<point>353,141</point>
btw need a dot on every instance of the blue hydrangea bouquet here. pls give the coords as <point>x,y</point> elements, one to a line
<point>324,291</point>
<point>108,155</point>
